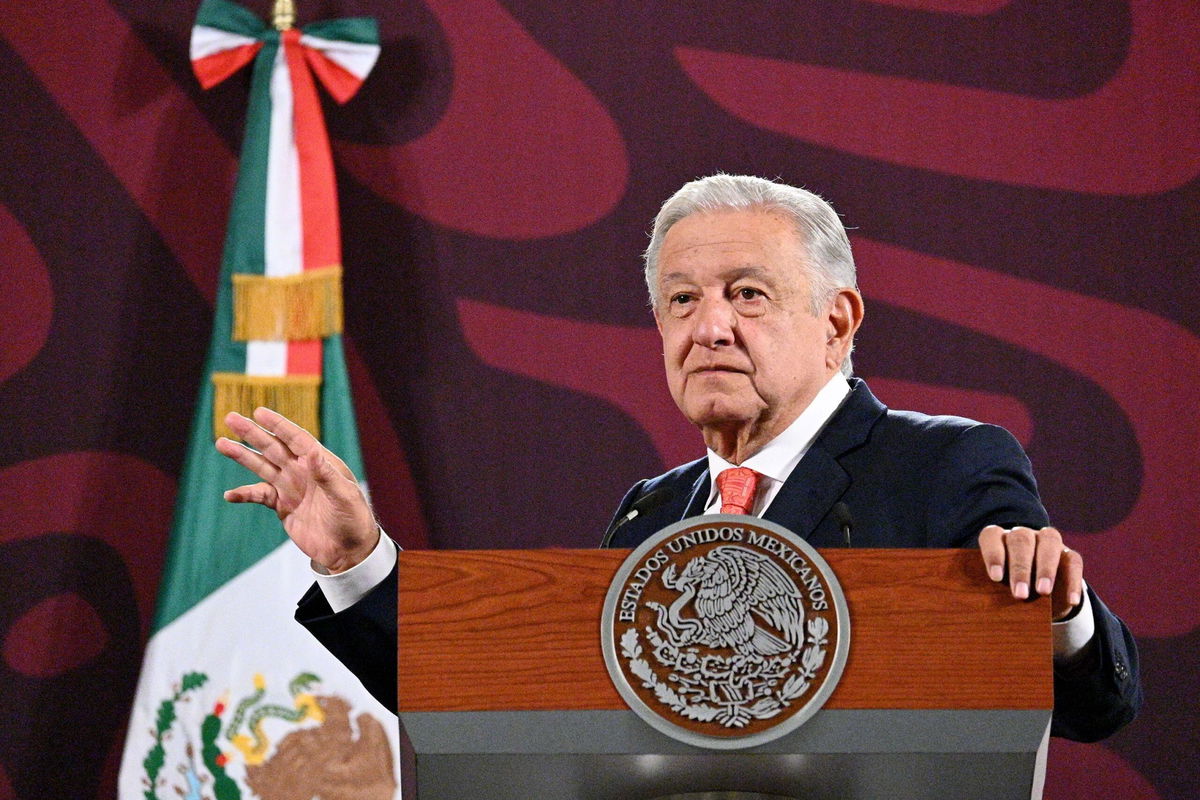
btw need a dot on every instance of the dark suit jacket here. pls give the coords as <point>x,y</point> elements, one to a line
<point>910,480</point>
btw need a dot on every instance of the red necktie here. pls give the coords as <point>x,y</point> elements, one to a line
<point>737,487</point>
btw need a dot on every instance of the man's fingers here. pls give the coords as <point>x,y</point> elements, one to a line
<point>991,545</point>
<point>262,493</point>
<point>251,460</point>
<point>270,446</point>
<point>321,470</point>
<point>242,426</point>
<point>1074,578</point>
<point>1070,581</point>
<point>298,440</point>
<point>1020,546</point>
<point>1049,548</point>
<point>338,464</point>
<point>279,440</point>
<point>1035,561</point>
<point>329,471</point>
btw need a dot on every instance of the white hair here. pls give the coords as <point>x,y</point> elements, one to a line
<point>830,264</point>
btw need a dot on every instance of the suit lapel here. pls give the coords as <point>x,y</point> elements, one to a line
<point>809,492</point>
<point>818,481</point>
<point>700,492</point>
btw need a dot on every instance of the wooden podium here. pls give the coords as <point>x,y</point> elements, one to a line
<point>504,694</point>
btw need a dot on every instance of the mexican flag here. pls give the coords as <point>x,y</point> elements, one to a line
<point>235,699</point>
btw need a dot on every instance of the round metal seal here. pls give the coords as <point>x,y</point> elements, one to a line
<point>725,631</point>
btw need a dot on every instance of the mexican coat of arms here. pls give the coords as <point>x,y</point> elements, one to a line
<point>725,631</point>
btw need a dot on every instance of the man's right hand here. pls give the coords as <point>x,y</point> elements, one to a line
<point>314,493</point>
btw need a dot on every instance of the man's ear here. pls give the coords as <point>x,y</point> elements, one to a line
<point>657,318</point>
<point>844,315</point>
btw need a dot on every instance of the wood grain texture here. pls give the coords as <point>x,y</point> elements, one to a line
<point>495,630</point>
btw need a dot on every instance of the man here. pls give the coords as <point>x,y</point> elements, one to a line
<point>753,289</point>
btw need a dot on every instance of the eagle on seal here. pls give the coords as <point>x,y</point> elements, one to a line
<point>734,592</point>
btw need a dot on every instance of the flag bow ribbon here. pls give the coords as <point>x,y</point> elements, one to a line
<point>279,301</point>
<point>339,52</point>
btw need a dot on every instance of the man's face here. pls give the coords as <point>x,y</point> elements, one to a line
<point>744,353</point>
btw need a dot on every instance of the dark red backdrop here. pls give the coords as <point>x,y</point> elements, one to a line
<point>1020,177</point>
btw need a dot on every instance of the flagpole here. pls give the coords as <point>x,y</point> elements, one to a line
<point>283,16</point>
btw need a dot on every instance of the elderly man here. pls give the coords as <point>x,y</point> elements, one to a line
<point>753,289</point>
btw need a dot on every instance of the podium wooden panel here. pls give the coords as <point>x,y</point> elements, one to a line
<point>502,681</point>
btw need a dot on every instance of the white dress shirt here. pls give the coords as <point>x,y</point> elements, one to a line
<point>347,588</point>
<point>775,462</point>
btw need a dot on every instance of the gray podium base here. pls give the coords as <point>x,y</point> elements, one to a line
<point>837,755</point>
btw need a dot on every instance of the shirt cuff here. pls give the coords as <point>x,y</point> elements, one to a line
<point>347,588</point>
<point>1073,635</point>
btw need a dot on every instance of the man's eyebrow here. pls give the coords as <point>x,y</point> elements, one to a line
<point>730,275</point>
<point>672,276</point>
<point>747,272</point>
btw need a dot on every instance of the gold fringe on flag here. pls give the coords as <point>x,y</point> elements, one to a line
<point>297,397</point>
<point>307,305</point>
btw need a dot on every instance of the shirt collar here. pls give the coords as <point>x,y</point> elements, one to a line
<point>779,457</point>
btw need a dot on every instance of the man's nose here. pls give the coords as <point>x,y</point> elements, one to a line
<point>714,323</point>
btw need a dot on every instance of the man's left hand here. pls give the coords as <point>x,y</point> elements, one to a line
<point>1034,560</point>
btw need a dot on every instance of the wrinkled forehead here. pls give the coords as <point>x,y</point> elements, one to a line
<point>731,243</point>
<point>732,227</point>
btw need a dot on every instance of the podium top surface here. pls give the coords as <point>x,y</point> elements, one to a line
<point>503,630</point>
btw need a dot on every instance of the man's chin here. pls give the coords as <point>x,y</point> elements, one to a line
<point>721,412</point>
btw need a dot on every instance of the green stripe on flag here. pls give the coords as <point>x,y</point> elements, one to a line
<point>339,432</point>
<point>361,30</point>
<point>245,239</point>
<point>230,17</point>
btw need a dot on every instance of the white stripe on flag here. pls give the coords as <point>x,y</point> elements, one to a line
<point>208,41</point>
<point>284,237</point>
<point>356,58</point>
<point>282,234</point>
<point>266,358</point>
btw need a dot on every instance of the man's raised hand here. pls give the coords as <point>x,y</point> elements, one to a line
<point>314,493</point>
